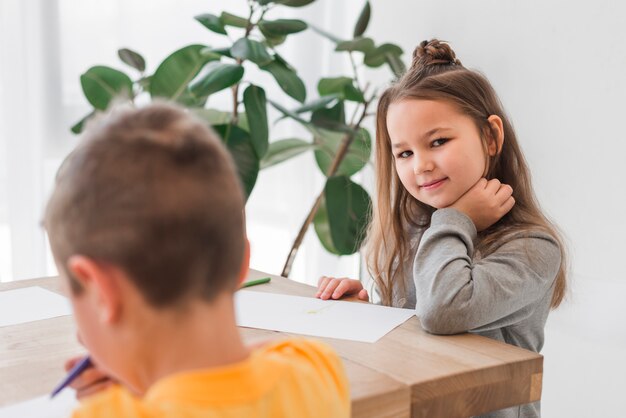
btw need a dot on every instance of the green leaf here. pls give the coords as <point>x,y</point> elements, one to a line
<point>353,94</point>
<point>324,33</point>
<point>238,143</point>
<point>242,121</point>
<point>212,23</point>
<point>219,117</point>
<point>284,150</point>
<point>132,58</point>
<point>348,206</point>
<point>333,118</point>
<point>251,50</point>
<point>101,84</point>
<point>233,20</point>
<point>294,3</point>
<point>213,116</point>
<point>256,109</point>
<point>278,58</point>
<point>287,79</point>
<point>172,77</point>
<point>376,57</point>
<point>218,78</point>
<point>365,45</point>
<point>363,21</point>
<point>225,52</point>
<point>78,127</point>
<point>395,63</point>
<point>282,26</point>
<point>334,85</point>
<point>343,86</point>
<point>318,103</point>
<point>288,113</point>
<point>322,228</point>
<point>273,41</point>
<point>357,157</point>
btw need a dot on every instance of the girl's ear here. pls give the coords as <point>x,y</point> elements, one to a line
<point>496,137</point>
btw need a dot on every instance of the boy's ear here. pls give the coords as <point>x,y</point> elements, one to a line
<point>496,135</point>
<point>99,282</point>
<point>245,264</point>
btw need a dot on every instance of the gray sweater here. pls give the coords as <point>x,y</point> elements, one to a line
<point>505,296</point>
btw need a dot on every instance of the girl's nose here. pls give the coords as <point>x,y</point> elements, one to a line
<point>422,164</point>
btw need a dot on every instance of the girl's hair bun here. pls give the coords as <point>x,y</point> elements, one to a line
<point>433,52</point>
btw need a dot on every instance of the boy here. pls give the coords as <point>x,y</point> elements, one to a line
<point>146,226</point>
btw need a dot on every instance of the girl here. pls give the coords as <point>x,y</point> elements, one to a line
<point>457,232</point>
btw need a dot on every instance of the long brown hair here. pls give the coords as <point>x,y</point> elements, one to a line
<point>436,74</point>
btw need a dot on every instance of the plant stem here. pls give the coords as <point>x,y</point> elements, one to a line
<point>235,88</point>
<point>356,73</point>
<point>334,166</point>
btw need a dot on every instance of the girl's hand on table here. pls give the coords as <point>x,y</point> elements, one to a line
<point>337,288</point>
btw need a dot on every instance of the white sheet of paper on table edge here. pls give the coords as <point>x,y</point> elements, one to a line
<point>29,304</point>
<point>43,407</point>
<point>316,317</point>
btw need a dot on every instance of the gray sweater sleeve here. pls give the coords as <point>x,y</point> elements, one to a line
<point>456,294</point>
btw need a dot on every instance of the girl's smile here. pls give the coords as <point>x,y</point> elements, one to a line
<point>432,185</point>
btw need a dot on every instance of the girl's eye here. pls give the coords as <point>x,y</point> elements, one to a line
<point>405,154</point>
<point>438,142</point>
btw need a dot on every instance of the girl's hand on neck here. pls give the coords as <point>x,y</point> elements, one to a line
<point>486,202</point>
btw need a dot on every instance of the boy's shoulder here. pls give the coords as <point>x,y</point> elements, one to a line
<point>303,359</point>
<point>285,373</point>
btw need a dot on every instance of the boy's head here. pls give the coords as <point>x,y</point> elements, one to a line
<point>153,192</point>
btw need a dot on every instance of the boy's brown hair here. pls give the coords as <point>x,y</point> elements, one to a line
<point>154,192</point>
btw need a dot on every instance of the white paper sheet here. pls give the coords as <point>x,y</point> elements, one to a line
<point>31,304</point>
<point>321,318</point>
<point>43,407</point>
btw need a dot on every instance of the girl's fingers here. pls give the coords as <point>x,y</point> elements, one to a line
<point>504,194</point>
<point>321,279</point>
<point>482,183</point>
<point>508,205</point>
<point>346,287</point>
<point>321,285</point>
<point>493,186</point>
<point>330,288</point>
<point>504,191</point>
<point>363,295</point>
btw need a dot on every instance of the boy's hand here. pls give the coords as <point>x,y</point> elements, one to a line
<point>90,381</point>
<point>332,288</point>
<point>486,202</point>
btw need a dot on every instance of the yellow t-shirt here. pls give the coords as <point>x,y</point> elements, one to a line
<point>290,378</point>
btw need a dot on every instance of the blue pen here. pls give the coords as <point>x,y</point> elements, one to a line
<point>80,367</point>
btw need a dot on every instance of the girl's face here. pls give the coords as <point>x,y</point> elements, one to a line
<point>438,150</point>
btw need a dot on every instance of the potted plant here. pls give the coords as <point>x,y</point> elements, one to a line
<point>341,145</point>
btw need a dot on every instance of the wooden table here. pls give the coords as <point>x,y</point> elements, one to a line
<point>406,373</point>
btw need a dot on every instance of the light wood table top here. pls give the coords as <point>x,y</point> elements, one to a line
<point>406,373</point>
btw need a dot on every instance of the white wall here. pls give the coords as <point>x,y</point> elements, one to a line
<point>558,67</point>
